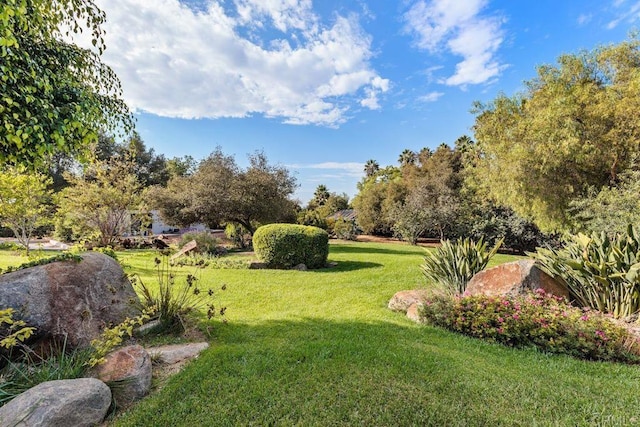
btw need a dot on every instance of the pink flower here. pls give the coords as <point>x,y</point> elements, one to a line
<point>516,317</point>
<point>500,319</point>
<point>584,318</point>
<point>505,303</point>
<point>500,331</point>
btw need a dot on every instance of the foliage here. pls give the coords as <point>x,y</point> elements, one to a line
<point>287,245</point>
<point>63,257</point>
<point>611,208</point>
<point>371,167</point>
<point>543,321</point>
<point>112,337</point>
<point>220,192</point>
<point>312,217</point>
<point>377,197</point>
<point>492,223</point>
<point>12,331</point>
<point>576,127</point>
<point>601,272</point>
<point>55,95</point>
<point>237,234</point>
<point>174,300</point>
<point>451,266</point>
<point>99,203</point>
<point>213,261</point>
<point>30,370</point>
<point>345,229</point>
<point>207,244</point>
<point>24,203</point>
<point>320,197</point>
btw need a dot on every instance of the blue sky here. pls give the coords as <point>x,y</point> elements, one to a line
<point>322,86</point>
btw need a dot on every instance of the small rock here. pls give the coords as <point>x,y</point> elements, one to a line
<point>402,300</point>
<point>413,312</point>
<point>257,266</point>
<point>61,403</point>
<point>171,354</point>
<point>129,370</point>
<point>514,278</point>
<point>332,264</point>
<point>300,267</point>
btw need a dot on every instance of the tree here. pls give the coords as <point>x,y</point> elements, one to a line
<point>24,203</point>
<point>55,95</point>
<point>99,203</point>
<point>407,158</point>
<point>371,167</point>
<point>320,197</point>
<point>611,209</point>
<point>575,128</point>
<point>220,192</point>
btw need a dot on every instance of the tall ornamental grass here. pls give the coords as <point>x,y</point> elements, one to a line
<point>453,264</point>
<point>600,272</point>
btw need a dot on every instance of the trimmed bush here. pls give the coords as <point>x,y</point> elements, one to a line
<point>540,320</point>
<point>287,245</point>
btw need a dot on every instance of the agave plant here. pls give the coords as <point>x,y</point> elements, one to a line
<point>600,272</point>
<point>452,265</point>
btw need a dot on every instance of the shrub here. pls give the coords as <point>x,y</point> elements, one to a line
<point>237,234</point>
<point>538,319</point>
<point>287,245</point>
<point>600,272</point>
<point>345,229</point>
<point>174,300</point>
<point>206,242</point>
<point>213,261</point>
<point>452,265</point>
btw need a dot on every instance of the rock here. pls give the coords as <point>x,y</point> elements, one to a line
<point>159,244</point>
<point>73,299</point>
<point>171,354</point>
<point>128,370</point>
<point>257,266</point>
<point>413,312</point>
<point>402,300</point>
<point>187,248</point>
<point>300,267</point>
<point>514,278</point>
<point>61,403</point>
<point>332,264</point>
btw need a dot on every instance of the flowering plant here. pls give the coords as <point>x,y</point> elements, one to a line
<point>538,320</point>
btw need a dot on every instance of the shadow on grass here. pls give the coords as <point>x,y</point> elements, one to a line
<point>361,249</point>
<point>321,372</point>
<point>344,266</point>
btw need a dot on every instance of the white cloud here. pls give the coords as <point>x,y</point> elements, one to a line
<point>630,13</point>
<point>217,62</point>
<point>430,97</point>
<point>348,168</point>
<point>584,18</point>
<point>458,27</point>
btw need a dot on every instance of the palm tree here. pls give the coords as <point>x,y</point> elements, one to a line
<point>371,168</point>
<point>407,157</point>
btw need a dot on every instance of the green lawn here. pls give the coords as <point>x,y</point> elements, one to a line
<point>321,348</point>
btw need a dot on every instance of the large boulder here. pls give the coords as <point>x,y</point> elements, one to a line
<point>177,353</point>
<point>129,370</point>
<point>76,300</point>
<point>514,278</point>
<point>402,300</point>
<point>61,403</point>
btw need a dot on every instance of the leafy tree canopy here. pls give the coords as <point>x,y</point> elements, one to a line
<point>54,95</point>
<point>575,127</point>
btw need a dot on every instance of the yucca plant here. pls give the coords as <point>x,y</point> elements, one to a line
<point>453,264</point>
<point>600,272</point>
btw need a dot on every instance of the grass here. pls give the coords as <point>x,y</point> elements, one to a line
<point>321,348</point>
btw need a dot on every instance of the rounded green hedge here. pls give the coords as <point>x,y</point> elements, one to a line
<point>288,245</point>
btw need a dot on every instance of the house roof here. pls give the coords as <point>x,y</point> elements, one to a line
<point>348,214</point>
